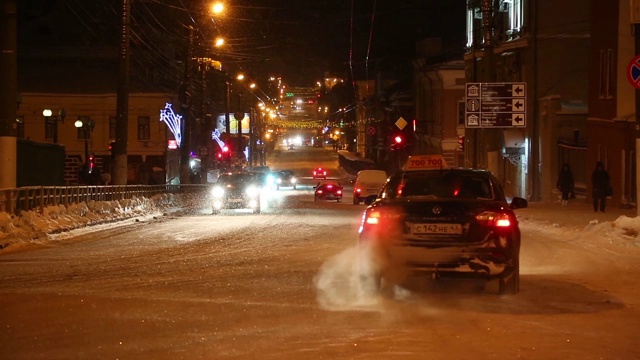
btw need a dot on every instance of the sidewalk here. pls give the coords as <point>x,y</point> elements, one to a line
<point>579,213</point>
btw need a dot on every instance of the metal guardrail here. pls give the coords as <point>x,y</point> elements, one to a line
<point>35,198</point>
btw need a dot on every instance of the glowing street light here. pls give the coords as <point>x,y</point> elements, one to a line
<point>217,8</point>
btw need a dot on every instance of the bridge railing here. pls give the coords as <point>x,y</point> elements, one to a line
<point>35,198</point>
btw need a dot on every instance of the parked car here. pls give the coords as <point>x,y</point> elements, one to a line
<point>368,184</point>
<point>328,190</point>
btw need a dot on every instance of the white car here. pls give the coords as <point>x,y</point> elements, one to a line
<point>368,184</point>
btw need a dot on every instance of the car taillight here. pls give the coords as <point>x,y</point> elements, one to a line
<point>329,186</point>
<point>494,219</point>
<point>319,191</point>
<point>358,190</point>
<point>339,191</point>
<point>375,217</point>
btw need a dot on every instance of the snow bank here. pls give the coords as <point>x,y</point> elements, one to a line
<point>33,225</point>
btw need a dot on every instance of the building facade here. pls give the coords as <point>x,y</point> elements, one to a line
<point>148,136</point>
<point>612,122</point>
<point>544,44</point>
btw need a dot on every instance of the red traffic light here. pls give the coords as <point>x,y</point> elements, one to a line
<point>460,143</point>
<point>398,139</point>
<point>225,149</point>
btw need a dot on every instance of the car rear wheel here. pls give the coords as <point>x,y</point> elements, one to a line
<point>215,211</point>
<point>294,187</point>
<point>510,284</point>
<point>256,210</point>
<point>339,200</point>
<point>315,199</point>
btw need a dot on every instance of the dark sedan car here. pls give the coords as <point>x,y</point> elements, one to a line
<point>328,190</point>
<point>441,221</point>
<point>286,178</point>
<point>236,191</point>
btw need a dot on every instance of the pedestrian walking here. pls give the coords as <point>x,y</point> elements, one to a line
<point>601,187</point>
<point>565,183</point>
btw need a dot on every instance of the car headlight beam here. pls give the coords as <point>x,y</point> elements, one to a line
<point>217,192</point>
<point>252,191</point>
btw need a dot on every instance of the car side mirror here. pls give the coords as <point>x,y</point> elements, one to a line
<point>519,203</point>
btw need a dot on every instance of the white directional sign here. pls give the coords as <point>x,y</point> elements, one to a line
<point>495,105</point>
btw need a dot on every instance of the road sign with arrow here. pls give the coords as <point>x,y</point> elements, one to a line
<point>491,105</point>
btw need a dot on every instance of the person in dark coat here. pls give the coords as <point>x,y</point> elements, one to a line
<point>601,187</point>
<point>565,183</point>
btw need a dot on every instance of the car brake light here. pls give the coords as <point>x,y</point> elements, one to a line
<point>376,216</point>
<point>319,191</point>
<point>339,191</point>
<point>490,218</point>
<point>358,190</point>
<point>329,186</point>
<point>373,218</point>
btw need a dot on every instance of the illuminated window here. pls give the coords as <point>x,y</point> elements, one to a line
<point>508,20</point>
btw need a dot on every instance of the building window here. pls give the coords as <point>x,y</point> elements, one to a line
<point>84,131</point>
<point>49,126</point>
<point>605,84</point>
<point>112,127</point>
<point>610,67</point>
<point>508,19</point>
<point>515,14</point>
<point>144,131</point>
<point>19,127</point>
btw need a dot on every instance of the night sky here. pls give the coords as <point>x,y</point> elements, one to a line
<point>296,39</point>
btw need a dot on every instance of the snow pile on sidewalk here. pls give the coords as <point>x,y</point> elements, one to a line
<point>32,225</point>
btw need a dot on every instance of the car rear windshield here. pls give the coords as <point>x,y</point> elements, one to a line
<point>443,184</point>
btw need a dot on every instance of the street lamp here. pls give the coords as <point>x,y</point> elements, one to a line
<point>49,117</point>
<point>87,128</point>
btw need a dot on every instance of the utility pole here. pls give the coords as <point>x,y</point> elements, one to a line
<point>122,105</point>
<point>185,102</point>
<point>8,92</point>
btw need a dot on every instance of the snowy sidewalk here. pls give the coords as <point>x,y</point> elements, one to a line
<point>579,213</point>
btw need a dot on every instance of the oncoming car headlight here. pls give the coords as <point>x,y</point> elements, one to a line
<point>294,180</point>
<point>217,191</point>
<point>252,191</point>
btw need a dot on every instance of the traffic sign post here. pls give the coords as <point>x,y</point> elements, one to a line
<point>495,105</point>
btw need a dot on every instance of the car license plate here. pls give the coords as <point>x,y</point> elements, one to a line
<point>426,229</point>
<point>235,200</point>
